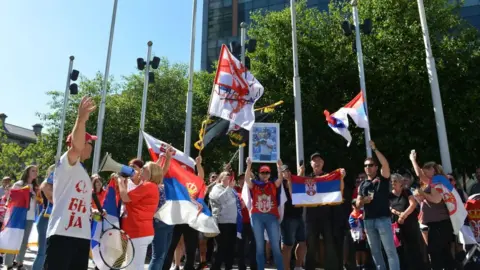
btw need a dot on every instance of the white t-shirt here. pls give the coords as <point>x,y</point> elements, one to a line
<point>72,200</point>
<point>265,148</point>
<point>31,210</point>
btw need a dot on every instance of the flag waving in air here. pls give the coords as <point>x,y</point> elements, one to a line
<point>338,121</point>
<point>235,91</point>
<point>15,220</point>
<point>184,192</point>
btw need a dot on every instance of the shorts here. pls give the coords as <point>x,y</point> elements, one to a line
<point>293,230</point>
<point>65,252</point>
<point>361,245</point>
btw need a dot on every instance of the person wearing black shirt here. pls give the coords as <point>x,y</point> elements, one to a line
<point>373,195</point>
<point>328,220</point>
<point>292,227</point>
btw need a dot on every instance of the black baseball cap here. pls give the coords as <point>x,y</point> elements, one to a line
<point>316,154</point>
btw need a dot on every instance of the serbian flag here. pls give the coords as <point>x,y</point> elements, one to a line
<point>452,200</point>
<point>112,206</point>
<point>157,148</point>
<point>13,229</point>
<point>235,91</point>
<point>321,190</point>
<point>181,188</point>
<point>338,121</point>
<point>281,199</point>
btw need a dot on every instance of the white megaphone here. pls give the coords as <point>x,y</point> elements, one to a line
<point>110,165</point>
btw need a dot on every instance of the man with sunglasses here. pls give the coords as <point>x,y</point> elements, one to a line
<point>373,196</point>
<point>68,233</point>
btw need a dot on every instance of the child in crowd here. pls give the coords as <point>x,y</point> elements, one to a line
<point>358,234</point>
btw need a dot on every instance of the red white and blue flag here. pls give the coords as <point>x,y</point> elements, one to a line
<point>235,91</point>
<point>183,192</point>
<point>15,219</point>
<point>338,121</point>
<point>321,190</point>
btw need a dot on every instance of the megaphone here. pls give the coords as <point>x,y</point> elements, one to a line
<point>110,165</point>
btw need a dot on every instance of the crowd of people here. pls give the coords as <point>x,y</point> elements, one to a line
<point>387,219</point>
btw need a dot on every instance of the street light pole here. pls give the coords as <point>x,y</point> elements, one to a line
<point>101,113</point>
<point>436,97</point>
<point>361,71</point>
<point>243,37</point>
<point>188,119</point>
<point>144,101</point>
<point>296,89</point>
<point>64,112</point>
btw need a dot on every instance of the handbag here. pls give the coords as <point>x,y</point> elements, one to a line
<point>396,232</point>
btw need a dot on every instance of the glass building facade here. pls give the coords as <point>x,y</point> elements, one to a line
<point>222,18</point>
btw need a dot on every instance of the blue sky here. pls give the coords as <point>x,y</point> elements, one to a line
<point>37,37</point>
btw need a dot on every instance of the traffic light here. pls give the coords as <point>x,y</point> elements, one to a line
<point>73,77</point>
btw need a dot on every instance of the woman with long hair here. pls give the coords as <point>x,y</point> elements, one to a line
<point>434,214</point>
<point>97,183</point>
<point>163,232</point>
<point>28,178</point>
<point>141,204</point>
<point>46,189</point>
<point>264,213</point>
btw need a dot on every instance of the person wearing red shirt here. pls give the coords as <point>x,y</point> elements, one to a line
<point>264,213</point>
<point>141,204</point>
<point>98,189</point>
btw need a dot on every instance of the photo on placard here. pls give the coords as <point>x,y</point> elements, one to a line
<point>264,143</point>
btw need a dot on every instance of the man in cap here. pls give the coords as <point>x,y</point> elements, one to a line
<point>328,221</point>
<point>292,227</point>
<point>68,233</point>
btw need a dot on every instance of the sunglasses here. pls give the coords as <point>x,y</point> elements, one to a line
<point>264,172</point>
<point>370,165</point>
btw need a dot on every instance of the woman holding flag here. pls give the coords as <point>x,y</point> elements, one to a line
<point>46,189</point>
<point>264,213</point>
<point>435,215</point>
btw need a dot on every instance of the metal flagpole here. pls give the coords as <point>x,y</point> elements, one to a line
<point>101,113</point>
<point>296,89</point>
<point>437,99</point>
<point>188,119</point>
<point>243,37</point>
<point>361,71</point>
<point>144,101</point>
<point>64,112</point>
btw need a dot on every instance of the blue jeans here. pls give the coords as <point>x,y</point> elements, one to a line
<point>42,225</point>
<point>160,244</point>
<point>379,231</point>
<point>269,222</point>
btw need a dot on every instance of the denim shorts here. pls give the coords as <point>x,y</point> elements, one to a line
<point>293,230</point>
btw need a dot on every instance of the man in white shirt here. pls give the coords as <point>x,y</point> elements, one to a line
<point>68,233</point>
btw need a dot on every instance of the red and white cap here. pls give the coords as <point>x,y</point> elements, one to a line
<point>264,168</point>
<point>88,138</point>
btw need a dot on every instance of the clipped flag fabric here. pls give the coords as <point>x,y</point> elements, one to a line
<point>338,121</point>
<point>112,207</point>
<point>183,192</point>
<point>235,91</point>
<point>13,229</point>
<point>452,200</point>
<point>320,190</point>
<point>157,147</point>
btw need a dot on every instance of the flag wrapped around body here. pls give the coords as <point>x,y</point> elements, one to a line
<point>157,148</point>
<point>473,209</point>
<point>452,200</point>
<point>235,91</point>
<point>181,188</point>
<point>15,219</point>
<point>320,190</point>
<point>112,207</point>
<point>339,123</point>
<point>281,199</point>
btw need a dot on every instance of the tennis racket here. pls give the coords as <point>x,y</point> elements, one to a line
<point>115,246</point>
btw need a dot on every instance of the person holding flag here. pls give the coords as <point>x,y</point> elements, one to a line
<point>264,213</point>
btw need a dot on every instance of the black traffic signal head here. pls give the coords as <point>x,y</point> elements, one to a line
<point>155,62</point>
<point>247,62</point>
<point>367,26</point>
<point>141,63</point>
<point>347,29</point>
<point>73,89</point>
<point>151,77</point>
<point>252,45</point>
<point>235,48</point>
<point>74,75</point>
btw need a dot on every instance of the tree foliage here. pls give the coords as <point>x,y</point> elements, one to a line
<point>399,97</point>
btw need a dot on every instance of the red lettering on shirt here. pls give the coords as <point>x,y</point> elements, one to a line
<point>74,221</point>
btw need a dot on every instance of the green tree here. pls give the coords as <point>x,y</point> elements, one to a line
<point>399,99</point>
